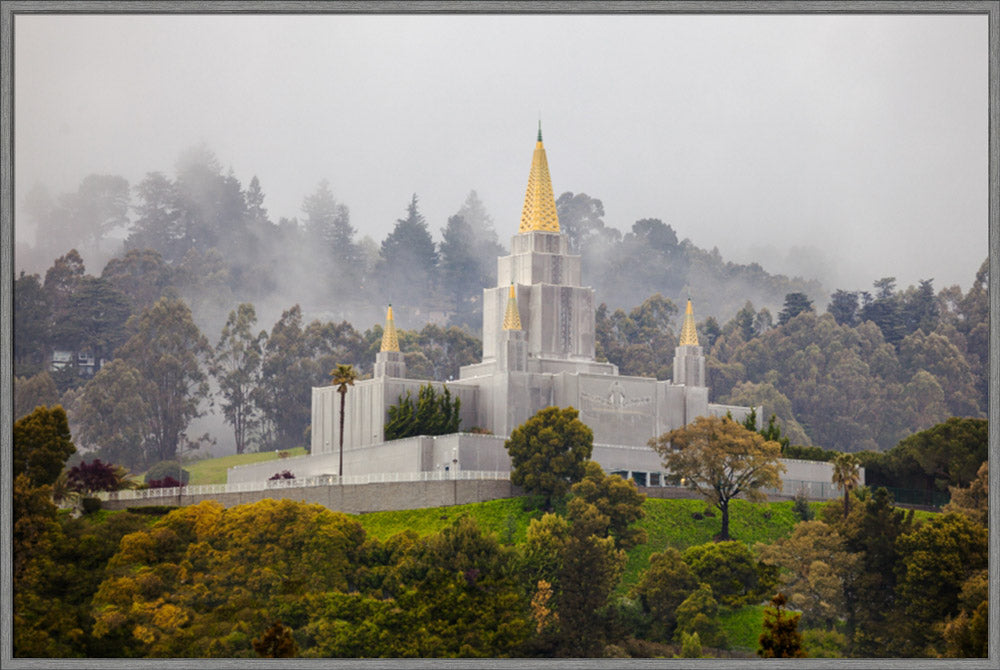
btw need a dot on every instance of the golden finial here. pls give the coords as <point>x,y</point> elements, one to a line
<point>389,340</point>
<point>689,335</point>
<point>539,212</point>
<point>512,319</point>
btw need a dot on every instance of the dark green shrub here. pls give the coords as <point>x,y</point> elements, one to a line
<point>91,505</point>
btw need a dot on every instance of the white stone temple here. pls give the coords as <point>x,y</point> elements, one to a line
<point>538,351</point>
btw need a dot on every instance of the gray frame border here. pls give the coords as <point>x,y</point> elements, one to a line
<point>10,8</point>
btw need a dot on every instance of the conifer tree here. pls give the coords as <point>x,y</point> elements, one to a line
<point>781,637</point>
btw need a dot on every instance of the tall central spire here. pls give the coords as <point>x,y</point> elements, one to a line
<point>689,334</point>
<point>390,342</point>
<point>539,212</point>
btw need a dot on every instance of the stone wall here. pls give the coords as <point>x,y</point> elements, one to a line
<point>353,499</point>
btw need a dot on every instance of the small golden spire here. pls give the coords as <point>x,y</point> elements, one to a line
<point>539,212</point>
<point>389,340</point>
<point>512,319</point>
<point>689,335</point>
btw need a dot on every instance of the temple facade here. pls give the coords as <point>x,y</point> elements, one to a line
<point>538,351</point>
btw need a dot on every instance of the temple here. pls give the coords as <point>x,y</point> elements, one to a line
<point>538,350</point>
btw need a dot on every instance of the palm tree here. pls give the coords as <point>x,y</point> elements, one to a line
<point>846,475</point>
<point>343,376</point>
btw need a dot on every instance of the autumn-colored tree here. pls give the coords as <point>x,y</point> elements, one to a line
<point>615,498</point>
<point>815,564</point>
<point>548,452</point>
<point>204,580</point>
<point>781,637</point>
<point>276,642</point>
<point>721,460</point>
<point>968,633</point>
<point>846,475</point>
<point>973,501</point>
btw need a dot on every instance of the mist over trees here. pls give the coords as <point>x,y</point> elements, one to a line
<point>851,370</point>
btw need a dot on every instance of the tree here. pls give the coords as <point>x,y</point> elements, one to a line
<point>873,616</point>
<point>328,227</point>
<point>142,275</point>
<point>617,500</point>
<point>168,350</point>
<point>937,559</point>
<point>31,392</point>
<point>721,459</point>
<point>781,637</point>
<point>972,501</point>
<point>41,445</point>
<point>343,376</point>
<point>408,260</point>
<point>32,314</point>
<point>846,475</point>
<point>580,217</point>
<point>460,268</point>
<point>844,307</point>
<point>276,642</point>
<point>662,588</point>
<point>114,415</point>
<point>94,476</point>
<point>816,565</point>
<point>699,613</point>
<point>548,451</point>
<point>158,224</point>
<point>431,414</point>
<point>795,304</point>
<point>236,366</point>
<point>730,569</point>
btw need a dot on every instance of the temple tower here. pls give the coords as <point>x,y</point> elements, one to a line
<point>389,361</point>
<point>556,312</point>
<point>689,359</point>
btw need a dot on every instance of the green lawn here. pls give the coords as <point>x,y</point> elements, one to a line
<point>507,518</point>
<point>743,627</point>
<point>213,470</point>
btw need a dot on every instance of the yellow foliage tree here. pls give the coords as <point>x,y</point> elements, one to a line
<point>721,460</point>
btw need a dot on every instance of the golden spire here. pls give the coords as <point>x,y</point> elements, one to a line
<point>512,319</point>
<point>389,340</point>
<point>539,211</point>
<point>689,336</point>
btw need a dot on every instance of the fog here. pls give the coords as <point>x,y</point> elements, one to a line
<point>838,148</point>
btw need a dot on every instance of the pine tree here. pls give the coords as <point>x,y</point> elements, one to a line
<point>781,637</point>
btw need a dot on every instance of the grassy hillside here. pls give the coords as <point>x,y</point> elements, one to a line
<point>213,470</point>
<point>668,523</point>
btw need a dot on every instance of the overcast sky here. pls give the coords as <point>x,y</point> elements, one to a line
<point>844,148</point>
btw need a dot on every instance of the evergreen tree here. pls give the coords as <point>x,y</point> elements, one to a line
<point>781,637</point>
<point>795,304</point>
<point>408,261</point>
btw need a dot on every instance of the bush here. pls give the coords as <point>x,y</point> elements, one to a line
<point>152,510</point>
<point>91,505</point>
<point>801,506</point>
<point>165,469</point>
<point>167,482</point>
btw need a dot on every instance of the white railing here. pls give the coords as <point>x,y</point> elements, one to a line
<point>303,482</point>
<point>813,490</point>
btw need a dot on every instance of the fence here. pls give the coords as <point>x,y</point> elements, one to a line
<point>304,482</point>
